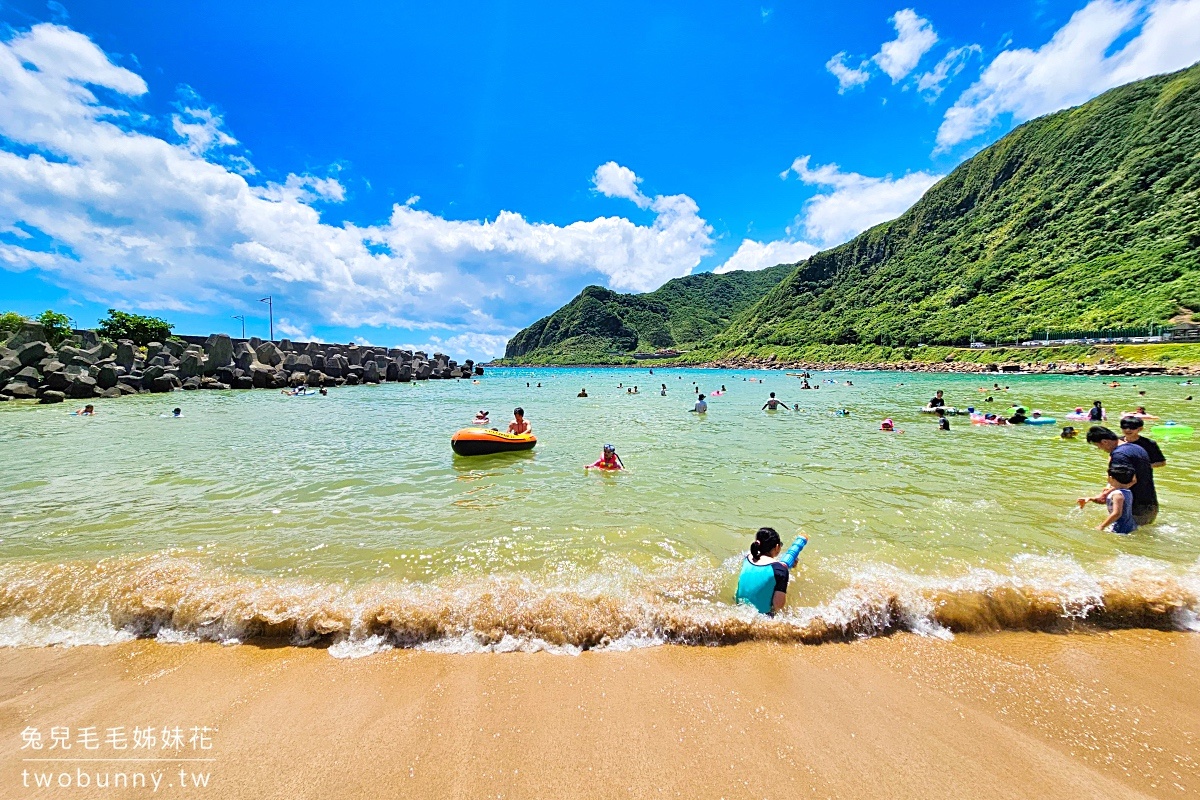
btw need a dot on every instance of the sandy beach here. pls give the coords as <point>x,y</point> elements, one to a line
<point>1009,715</point>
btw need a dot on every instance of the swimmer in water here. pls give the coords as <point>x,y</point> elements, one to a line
<point>608,460</point>
<point>87,411</point>
<point>177,413</point>
<point>1069,432</point>
<point>887,426</point>
<point>763,579</point>
<point>773,404</point>
<point>701,407</point>
<point>1119,499</point>
<point>482,419</point>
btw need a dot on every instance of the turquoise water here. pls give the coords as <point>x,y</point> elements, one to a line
<point>347,519</point>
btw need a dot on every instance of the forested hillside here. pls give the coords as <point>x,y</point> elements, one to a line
<point>600,325</point>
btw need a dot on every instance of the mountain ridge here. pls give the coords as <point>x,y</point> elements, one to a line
<point>1084,219</point>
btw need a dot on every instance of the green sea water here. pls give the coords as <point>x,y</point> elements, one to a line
<point>348,519</point>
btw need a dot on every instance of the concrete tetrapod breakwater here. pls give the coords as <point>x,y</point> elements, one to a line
<point>85,366</point>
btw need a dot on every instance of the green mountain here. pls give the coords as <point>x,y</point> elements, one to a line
<point>1082,220</point>
<point>602,326</point>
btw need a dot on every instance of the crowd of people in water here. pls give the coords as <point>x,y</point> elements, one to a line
<point>1129,496</point>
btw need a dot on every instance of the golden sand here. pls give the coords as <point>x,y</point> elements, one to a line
<point>1011,715</point>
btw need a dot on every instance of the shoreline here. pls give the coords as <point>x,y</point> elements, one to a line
<point>1166,358</point>
<point>982,716</point>
<point>1121,370</point>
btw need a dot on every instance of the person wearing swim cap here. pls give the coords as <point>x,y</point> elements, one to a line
<point>888,426</point>
<point>763,579</point>
<point>608,459</point>
<point>519,425</point>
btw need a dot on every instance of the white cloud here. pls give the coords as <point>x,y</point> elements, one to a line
<point>613,180</point>
<point>914,38</point>
<point>848,77</point>
<point>133,219</point>
<point>478,346</point>
<point>933,82</point>
<point>292,331</point>
<point>752,255</point>
<point>1078,63</point>
<point>848,204</point>
<point>201,130</point>
<point>856,202</point>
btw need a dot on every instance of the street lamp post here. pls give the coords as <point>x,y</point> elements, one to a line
<point>269,300</point>
<point>243,319</point>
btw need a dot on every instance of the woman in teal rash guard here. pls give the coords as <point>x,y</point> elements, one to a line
<point>763,580</point>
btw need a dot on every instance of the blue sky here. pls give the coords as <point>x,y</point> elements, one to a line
<point>443,174</point>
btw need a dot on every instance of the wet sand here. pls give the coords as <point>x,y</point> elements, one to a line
<point>1010,715</point>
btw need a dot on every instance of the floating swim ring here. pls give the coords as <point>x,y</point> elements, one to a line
<point>1040,421</point>
<point>485,442</point>
<point>1171,429</point>
<point>1125,414</point>
<point>980,419</point>
<point>951,411</point>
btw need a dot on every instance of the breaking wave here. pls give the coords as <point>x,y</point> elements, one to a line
<point>616,607</point>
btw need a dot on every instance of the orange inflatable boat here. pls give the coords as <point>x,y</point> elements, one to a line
<point>485,441</point>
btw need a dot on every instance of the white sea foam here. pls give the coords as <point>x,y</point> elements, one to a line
<point>572,609</point>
